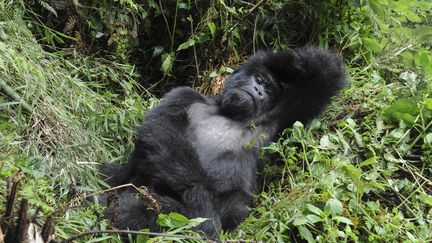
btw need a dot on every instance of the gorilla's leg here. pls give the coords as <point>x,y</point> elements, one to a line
<point>234,209</point>
<point>128,210</point>
<point>199,202</point>
<point>113,174</point>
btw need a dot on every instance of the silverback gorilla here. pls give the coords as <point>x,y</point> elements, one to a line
<point>198,155</point>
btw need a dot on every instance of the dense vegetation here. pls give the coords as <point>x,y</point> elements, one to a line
<point>76,78</point>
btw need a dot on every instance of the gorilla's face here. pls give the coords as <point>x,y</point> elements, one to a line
<point>249,93</point>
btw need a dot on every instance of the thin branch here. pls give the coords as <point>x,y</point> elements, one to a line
<point>194,47</point>
<point>95,232</point>
<point>77,199</point>
<point>256,6</point>
<point>166,20</point>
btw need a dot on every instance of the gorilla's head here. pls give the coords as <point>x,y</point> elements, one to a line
<point>252,89</point>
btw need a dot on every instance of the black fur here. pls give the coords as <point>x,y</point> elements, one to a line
<point>198,154</point>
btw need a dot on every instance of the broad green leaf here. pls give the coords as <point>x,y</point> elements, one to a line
<point>315,210</point>
<point>298,130</point>
<point>369,161</point>
<point>408,59</point>
<point>333,206</point>
<point>413,17</point>
<point>213,74</point>
<point>178,220</point>
<point>403,109</point>
<point>325,142</point>
<point>342,219</point>
<point>157,51</point>
<point>426,198</point>
<point>305,233</point>
<point>163,220</point>
<point>428,103</point>
<point>425,60</point>
<point>48,7</point>
<point>312,218</point>
<point>428,138</point>
<point>212,28</point>
<point>424,34</point>
<point>167,62</point>
<point>196,221</point>
<point>372,44</point>
<point>378,7</point>
<point>411,237</point>
<point>141,238</point>
<point>172,220</point>
<point>190,42</point>
<point>300,221</point>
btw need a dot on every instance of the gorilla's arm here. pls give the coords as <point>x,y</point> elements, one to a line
<point>164,161</point>
<point>312,76</point>
<point>159,138</point>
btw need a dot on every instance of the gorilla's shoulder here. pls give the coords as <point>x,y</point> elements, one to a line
<point>171,113</point>
<point>182,96</point>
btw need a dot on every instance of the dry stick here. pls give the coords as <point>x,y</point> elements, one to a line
<point>166,20</point>
<point>137,233</point>
<point>403,202</point>
<point>256,6</point>
<point>77,199</point>
<point>194,48</point>
<point>23,222</point>
<point>11,197</point>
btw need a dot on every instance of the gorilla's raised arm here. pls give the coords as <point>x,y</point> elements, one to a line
<point>310,76</point>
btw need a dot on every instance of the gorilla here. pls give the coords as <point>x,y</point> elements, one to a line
<point>199,155</point>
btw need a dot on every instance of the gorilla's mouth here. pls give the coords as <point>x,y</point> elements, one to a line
<point>252,97</point>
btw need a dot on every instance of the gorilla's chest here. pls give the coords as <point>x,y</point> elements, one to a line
<point>226,148</point>
<point>218,140</point>
<point>212,134</point>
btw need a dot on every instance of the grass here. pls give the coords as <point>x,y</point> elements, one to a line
<point>77,122</point>
<point>362,172</point>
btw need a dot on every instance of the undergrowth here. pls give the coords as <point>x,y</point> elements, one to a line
<point>362,172</point>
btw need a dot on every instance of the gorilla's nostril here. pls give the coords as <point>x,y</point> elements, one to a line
<point>259,93</point>
<point>255,88</point>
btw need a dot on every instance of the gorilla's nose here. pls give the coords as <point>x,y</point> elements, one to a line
<point>258,91</point>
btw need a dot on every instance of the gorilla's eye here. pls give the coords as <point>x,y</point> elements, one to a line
<point>263,81</point>
<point>260,80</point>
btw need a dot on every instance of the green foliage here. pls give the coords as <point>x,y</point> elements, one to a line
<point>402,110</point>
<point>168,39</point>
<point>361,173</point>
<point>83,112</point>
<point>366,176</point>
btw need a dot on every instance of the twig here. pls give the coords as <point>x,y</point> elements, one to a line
<point>77,199</point>
<point>94,232</point>
<point>165,19</point>
<point>23,222</point>
<point>254,34</point>
<point>194,47</point>
<point>251,10</point>
<point>403,200</point>
<point>256,6</point>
